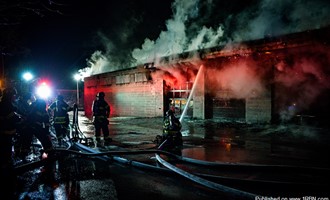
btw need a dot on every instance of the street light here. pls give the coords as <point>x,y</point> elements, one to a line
<point>28,79</point>
<point>27,76</point>
<point>77,78</point>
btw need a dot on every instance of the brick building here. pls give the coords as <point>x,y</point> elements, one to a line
<point>256,81</point>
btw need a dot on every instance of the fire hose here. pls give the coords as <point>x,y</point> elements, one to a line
<point>232,192</point>
<point>203,179</point>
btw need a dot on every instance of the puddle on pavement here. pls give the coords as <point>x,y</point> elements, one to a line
<point>238,143</point>
<point>225,153</point>
<point>219,143</point>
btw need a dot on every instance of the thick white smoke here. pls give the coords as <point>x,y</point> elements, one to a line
<point>175,39</point>
<point>195,25</point>
<point>272,18</point>
<point>191,29</point>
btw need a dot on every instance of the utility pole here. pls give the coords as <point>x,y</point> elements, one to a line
<point>2,72</point>
<point>77,78</point>
<point>78,93</point>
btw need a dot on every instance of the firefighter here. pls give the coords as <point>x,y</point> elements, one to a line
<point>24,133</point>
<point>172,137</point>
<point>8,126</point>
<point>9,121</point>
<point>39,125</point>
<point>101,113</point>
<point>59,111</point>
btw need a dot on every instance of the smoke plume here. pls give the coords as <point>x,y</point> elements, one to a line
<point>196,25</point>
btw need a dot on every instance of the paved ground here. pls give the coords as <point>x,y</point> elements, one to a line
<point>209,140</point>
<point>222,141</point>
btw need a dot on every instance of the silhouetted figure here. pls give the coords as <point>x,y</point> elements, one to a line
<point>8,125</point>
<point>39,124</point>
<point>24,132</point>
<point>172,137</point>
<point>101,113</point>
<point>39,120</point>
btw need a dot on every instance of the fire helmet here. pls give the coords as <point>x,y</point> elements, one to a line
<point>169,112</point>
<point>100,95</point>
<point>9,93</point>
<point>41,104</point>
<point>60,97</point>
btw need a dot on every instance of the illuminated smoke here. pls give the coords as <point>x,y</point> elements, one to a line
<point>273,18</point>
<point>177,75</point>
<point>177,38</point>
<point>97,63</point>
<point>198,25</point>
<point>238,77</point>
<point>302,79</point>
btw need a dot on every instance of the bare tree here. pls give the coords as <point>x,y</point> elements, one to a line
<point>14,12</point>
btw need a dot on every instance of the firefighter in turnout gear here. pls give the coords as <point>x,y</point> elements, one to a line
<point>58,110</point>
<point>172,137</point>
<point>8,126</point>
<point>101,113</point>
<point>39,125</point>
<point>24,135</point>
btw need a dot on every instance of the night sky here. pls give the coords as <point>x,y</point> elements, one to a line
<point>108,35</point>
<point>57,45</point>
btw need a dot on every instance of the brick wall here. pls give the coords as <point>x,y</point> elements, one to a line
<point>129,93</point>
<point>144,99</point>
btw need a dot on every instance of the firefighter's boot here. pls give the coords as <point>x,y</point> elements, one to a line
<point>107,141</point>
<point>98,142</point>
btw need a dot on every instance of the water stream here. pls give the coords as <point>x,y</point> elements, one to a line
<point>191,92</point>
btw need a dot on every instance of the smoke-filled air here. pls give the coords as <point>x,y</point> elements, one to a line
<point>196,25</point>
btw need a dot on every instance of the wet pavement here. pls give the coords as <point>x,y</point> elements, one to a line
<point>211,140</point>
<point>79,177</point>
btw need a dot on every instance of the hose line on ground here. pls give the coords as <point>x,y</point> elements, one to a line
<point>106,156</point>
<point>232,181</point>
<point>180,158</point>
<point>231,192</point>
<point>213,164</point>
<point>204,163</point>
<point>238,194</point>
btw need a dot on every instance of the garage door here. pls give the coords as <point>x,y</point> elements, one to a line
<point>231,109</point>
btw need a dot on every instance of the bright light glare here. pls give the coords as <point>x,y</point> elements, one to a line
<point>27,76</point>
<point>43,91</point>
<point>77,77</point>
